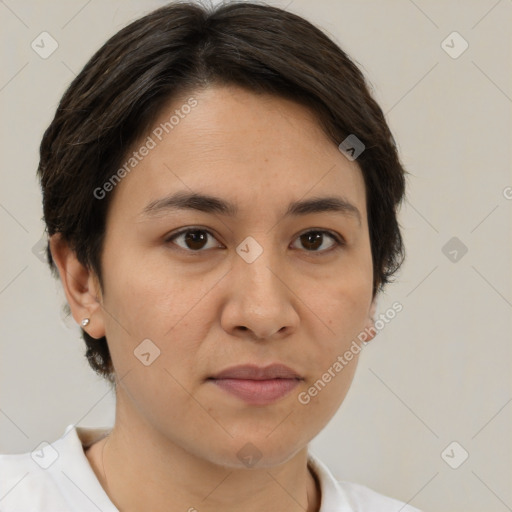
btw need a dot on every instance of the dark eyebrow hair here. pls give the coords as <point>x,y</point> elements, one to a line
<point>211,204</point>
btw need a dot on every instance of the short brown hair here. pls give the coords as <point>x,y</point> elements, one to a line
<point>182,47</point>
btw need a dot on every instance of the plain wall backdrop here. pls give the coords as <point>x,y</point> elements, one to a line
<point>439,372</point>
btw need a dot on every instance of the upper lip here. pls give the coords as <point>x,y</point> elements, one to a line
<point>254,372</point>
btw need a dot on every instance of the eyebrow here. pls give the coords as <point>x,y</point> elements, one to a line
<point>210,204</point>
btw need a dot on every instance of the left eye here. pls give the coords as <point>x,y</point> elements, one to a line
<point>312,241</point>
<point>195,240</point>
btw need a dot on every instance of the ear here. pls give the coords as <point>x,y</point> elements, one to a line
<point>370,331</point>
<point>81,287</point>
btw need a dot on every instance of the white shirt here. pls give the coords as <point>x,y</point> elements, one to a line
<point>57,477</point>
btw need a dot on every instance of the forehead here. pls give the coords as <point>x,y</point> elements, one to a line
<point>252,149</point>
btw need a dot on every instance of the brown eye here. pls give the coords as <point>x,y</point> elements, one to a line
<point>193,239</point>
<point>314,240</point>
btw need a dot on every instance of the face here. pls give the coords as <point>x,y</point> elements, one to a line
<point>260,275</point>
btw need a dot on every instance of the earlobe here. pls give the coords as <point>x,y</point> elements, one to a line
<point>80,286</point>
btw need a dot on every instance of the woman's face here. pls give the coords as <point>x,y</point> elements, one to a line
<point>258,282</point>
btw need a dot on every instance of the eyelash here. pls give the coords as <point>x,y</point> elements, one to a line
<point>338,240</point>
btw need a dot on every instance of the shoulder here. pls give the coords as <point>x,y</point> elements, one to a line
<point>53,476</point>
<point>351,497</point>
<point>364,499</point>
<point>23,482</point>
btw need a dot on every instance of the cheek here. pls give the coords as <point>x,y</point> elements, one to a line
<point>342,305</point>
<point>321,396</point>
<point>148,293</point>
<point>157,303</point>
<point>342,309</point>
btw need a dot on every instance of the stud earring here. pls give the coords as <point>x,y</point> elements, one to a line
<point>85,322</point>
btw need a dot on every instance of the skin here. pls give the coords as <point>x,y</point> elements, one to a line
<point>176,436</point>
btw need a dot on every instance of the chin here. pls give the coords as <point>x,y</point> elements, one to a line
<point>253,452</point>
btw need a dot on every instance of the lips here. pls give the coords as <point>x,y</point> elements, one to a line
<point>257,385</point>
<point>253,372</point>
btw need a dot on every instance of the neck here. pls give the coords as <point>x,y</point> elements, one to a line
<point>144,473</point>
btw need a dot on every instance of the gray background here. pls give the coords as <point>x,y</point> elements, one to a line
<point>440,371</point>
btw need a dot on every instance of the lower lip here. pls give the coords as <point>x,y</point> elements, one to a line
<point>257,392</point>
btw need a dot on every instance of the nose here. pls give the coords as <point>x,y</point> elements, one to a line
<point>260,303</point>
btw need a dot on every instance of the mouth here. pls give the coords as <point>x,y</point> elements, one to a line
<point>257,385</point>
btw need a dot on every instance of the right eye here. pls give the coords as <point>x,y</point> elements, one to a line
<point>192,239</point>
